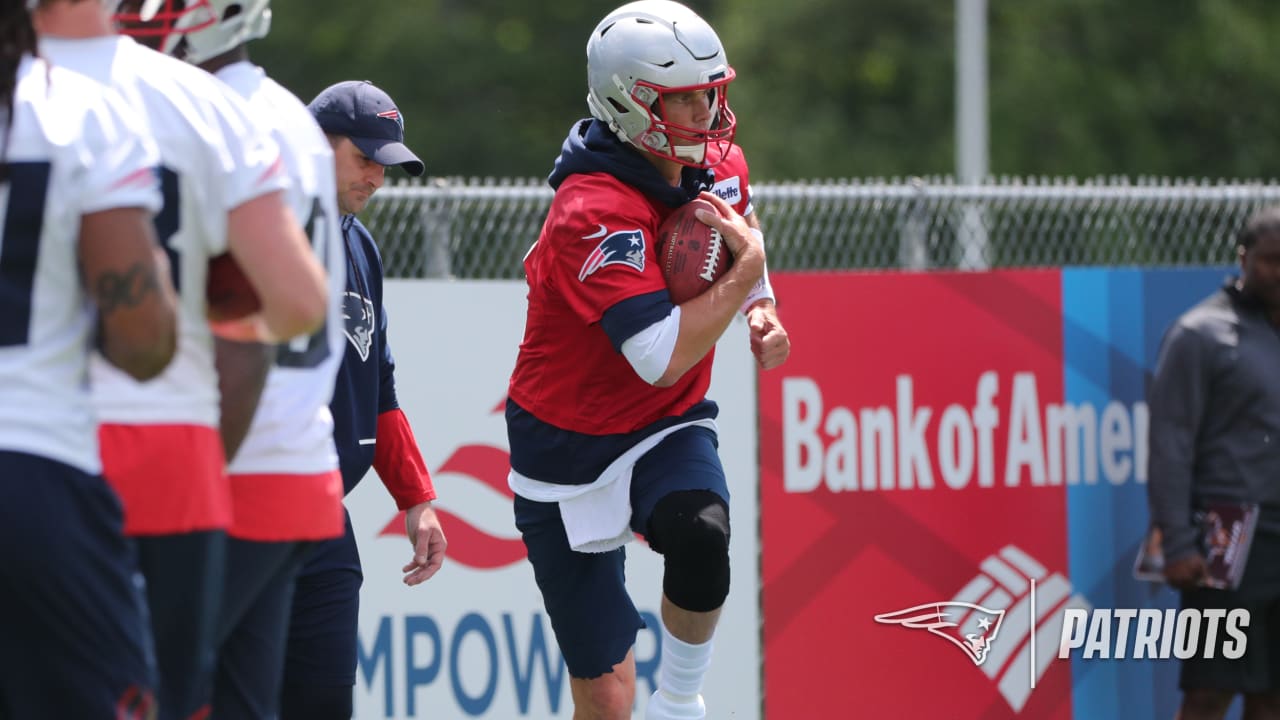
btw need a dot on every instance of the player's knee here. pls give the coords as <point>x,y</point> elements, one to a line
<point>691,530</point>
<point>316,702</point>
<point>605,698</point>
<point>613,705</point>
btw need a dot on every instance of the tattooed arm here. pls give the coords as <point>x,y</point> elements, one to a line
<point>127,275</point>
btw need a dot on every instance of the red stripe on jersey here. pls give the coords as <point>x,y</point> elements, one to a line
<point>142,177</point>
<point>169,477</point>
<point>276,168</point>
<point>277,507</point>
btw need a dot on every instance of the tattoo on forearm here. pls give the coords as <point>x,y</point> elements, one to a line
<point>126,289</point>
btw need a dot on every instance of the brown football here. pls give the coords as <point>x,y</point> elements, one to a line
<point>691,254</point>
<point>227,291</point>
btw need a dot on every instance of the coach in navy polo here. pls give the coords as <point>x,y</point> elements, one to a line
<point>366,130</point>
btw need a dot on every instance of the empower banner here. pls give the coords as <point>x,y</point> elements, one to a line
<point>949,463</point>
<point>474,642</point>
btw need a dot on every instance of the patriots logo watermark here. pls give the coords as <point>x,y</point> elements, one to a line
<point>625,247</point>
<point>1033,599</point>
<point>944,618</point>
<point>393,114</point>
<point>357,315</point>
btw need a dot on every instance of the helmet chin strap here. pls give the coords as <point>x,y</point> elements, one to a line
<point>693,153</point>
<point>149,9</point>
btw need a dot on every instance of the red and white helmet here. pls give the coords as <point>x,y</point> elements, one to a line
<point>644,50</point>
<point>195,30</point>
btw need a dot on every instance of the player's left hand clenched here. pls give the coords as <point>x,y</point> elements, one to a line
<point>769,341</point>
<point>427,538</point>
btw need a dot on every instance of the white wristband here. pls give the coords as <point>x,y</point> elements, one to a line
<point>762,289</point>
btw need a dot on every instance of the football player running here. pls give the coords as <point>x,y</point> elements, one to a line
<point>610,429</point>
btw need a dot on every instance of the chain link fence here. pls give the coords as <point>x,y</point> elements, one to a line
<point>477,229</point>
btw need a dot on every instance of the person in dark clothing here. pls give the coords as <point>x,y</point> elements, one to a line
<point>1215,436</point>
<point>367,134</point>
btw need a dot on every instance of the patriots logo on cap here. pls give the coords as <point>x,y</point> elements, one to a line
<point>943,619</point>
<point>625,247</point>
<point>393,114</point>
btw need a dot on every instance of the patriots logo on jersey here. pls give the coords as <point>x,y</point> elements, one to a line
<point>625,247</point>
<point>357,316</point>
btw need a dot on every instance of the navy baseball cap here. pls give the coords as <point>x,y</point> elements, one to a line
<point>357,109</point>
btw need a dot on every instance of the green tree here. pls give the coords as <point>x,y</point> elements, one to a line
<point>828,88</point>
<point>1178,88</point>
<point>487,88</point>
<point>833,88</point>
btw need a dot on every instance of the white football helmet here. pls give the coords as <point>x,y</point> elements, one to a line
<point>644,50</point>
<point>195,30</point>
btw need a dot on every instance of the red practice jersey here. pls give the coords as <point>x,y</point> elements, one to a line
<point>596,249</point>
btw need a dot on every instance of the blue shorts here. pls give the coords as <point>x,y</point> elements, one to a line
<point>76,643</point>
<point>585,594</point>
<point>326,612</point>
<point>252,626</point>
<point>184,593</point>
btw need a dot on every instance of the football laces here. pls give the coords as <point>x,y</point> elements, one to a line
<point>713,257</point>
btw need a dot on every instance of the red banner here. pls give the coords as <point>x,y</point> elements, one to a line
<point>904,464</point>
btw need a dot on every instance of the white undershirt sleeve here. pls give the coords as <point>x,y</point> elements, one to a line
<point>649,351</point>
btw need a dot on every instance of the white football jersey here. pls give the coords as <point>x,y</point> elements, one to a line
<point>73,148</point>
<point>213,158</point>
<point>292,430</point>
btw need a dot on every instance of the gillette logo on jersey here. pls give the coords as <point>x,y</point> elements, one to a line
<point>729,190</point>
<point>1153,634</point>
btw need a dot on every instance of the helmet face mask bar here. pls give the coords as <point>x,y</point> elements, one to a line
<point>194,30</point>
<point>641,54</point>
<point>663,136</point>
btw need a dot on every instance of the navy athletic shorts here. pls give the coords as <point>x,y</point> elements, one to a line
<point>253,625</point>
<point>585,594</point>
<point>76,642</point>
<point>184,593</point>
<point>326,611</point>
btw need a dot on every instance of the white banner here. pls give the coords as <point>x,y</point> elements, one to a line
<point>474,642</point>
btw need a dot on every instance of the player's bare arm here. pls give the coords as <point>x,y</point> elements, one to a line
<point>703,319</point>
<point>770,343</point>
<point>429,543</point>
<point>269,244</point>
<point>127,275</point>
<point>242,374</point>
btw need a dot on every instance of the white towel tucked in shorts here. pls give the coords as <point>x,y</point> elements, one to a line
<point>597,516</point>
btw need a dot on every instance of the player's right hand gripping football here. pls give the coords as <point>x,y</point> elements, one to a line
<point>748,252</point>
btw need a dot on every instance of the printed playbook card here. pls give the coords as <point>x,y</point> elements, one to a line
<point>1226,532</point>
